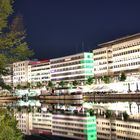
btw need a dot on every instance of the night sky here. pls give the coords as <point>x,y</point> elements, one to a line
<point>63,27</point>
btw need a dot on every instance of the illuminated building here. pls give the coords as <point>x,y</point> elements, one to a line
<point>72,67</point>
<point>39,71</point>
<point>100,62</point>
<point>20,73</point>
<point>120,55</point>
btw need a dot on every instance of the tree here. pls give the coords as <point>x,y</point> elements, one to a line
<point>91,112</point>
<point>62,84</point>
<point>18,86</point>
<point>75,83</point>
<point>13,46</point>
<point>125,116</point>
<point>106,79</point>
<point>39,84</point>
<point>108,113</point>
<point>122,77</point>
<point>50,84</point>
<point>28,85</point>
<point>5,11</point>
<point>8,126</point>
<point>13,42</point>
<point>90,80</point>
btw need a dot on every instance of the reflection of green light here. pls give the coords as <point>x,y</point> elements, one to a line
<point>88,71</point>
<point>90,130</point>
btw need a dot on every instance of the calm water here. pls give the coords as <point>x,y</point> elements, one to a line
<point>38,118</point>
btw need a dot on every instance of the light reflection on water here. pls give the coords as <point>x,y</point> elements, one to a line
<point>130,107</point>
<point>42,107</point>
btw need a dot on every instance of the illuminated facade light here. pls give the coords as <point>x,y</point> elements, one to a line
<point>73,67</point>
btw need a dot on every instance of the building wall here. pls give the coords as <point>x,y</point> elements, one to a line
<point>126,56</point>
<point>39,71</point>
<point>73,67</point>
<point>120,55</point>
<point>100,61</point>
<point>20,73</point>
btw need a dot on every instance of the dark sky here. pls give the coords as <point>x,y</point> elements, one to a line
<point>61,27</point>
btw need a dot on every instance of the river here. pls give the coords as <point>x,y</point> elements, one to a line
<point>75,119</point>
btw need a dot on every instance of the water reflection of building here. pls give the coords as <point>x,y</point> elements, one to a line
<point>72,121</point>
<point>78,126</point>
<point>24,121</point>
<point>41,123</point>
<point>73,125</point>
<point>109,129</point>
<point>132,108</point>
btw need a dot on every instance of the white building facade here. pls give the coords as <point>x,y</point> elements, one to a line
<point>39,71</point>
<point>20,73</point>
<point>120,55</point>
<point>73,67</point>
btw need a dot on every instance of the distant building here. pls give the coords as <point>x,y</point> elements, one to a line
<point>111,58</point>
<point>39,71</point>
<point>72,67</point>
<point>20,73</point>
<point>120,55</point>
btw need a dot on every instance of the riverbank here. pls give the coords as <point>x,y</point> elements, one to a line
<point>62,97</point>
<point>112,96</point>
<point>84,97</point>
<point>9,98</point>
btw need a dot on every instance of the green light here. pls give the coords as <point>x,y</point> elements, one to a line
<point>88,71</point>
<point>90,128</point>
<point>86,61</point>
<point>88,55</point>
<point>87,66</point>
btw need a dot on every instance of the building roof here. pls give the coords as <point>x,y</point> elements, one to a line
<point>119,40</point>
<point>64,57</point>
<point>39,62</point>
